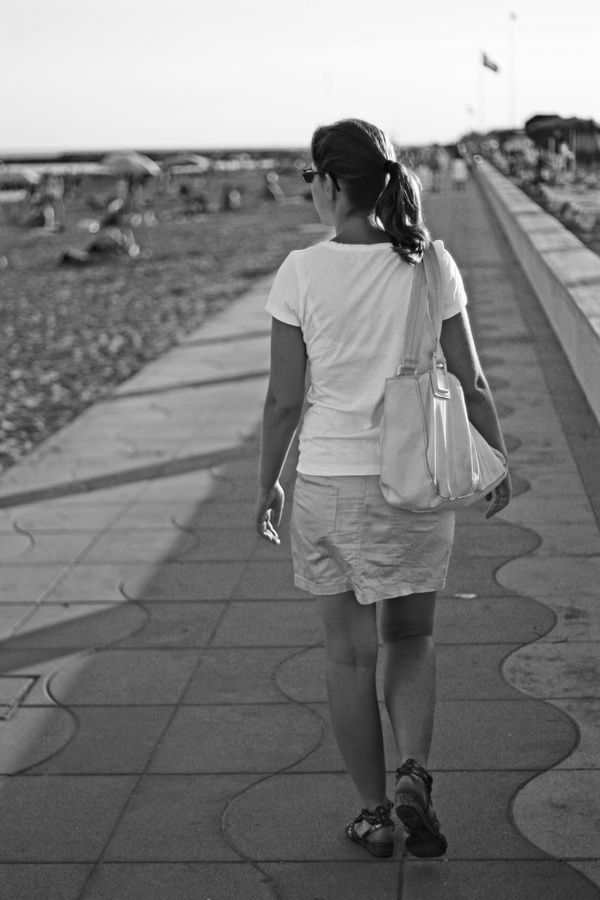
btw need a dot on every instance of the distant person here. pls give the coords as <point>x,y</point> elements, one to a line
<point>273,190</point>
<point>53,202</point>
<point>435,163</point>
<point>540,170</point>
<point>459,173</point>
<point>231,199</point>
<point>423,173</point>
<point>343,304</point>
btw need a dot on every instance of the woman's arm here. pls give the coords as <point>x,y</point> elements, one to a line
<point>462,360</point>
<point>282,413</point>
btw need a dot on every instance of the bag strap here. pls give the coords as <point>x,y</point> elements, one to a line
<point>433,276</point>
<point>427,278</point>
<point>414,324</point>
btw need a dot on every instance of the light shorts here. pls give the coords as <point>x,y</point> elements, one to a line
<point>346,537</point>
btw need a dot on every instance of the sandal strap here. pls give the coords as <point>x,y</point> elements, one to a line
<point>377,818</point>
<point>411,768</point>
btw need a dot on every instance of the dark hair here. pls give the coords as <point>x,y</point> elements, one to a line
<point>355,153</point>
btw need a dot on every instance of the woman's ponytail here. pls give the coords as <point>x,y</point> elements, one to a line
<point>360,157</point>
<point>398,208</point>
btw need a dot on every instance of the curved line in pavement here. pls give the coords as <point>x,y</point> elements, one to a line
<point>556,809</point>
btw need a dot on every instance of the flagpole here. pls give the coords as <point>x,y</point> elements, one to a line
<point>512,74</point>
<point>481,93</point>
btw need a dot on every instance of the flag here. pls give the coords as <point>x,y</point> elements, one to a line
<point>489,64</point>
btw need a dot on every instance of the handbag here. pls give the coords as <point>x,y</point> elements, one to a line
<point>432,457</point>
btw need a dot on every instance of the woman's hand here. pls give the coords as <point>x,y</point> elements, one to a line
<point>500,497</point>
<point>267,512</point>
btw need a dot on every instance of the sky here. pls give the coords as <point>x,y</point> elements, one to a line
<point>157,74</point>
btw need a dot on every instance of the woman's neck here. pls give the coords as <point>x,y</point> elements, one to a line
<point>358,230</point>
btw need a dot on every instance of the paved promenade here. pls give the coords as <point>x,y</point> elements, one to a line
<point>165,732</point>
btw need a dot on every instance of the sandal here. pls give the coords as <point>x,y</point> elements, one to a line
<point>378,818</point>
<point>424,838</point>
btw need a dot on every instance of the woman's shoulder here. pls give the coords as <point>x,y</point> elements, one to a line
<point>313,251</point>
<point>455,297</point>
<point>445,259</point>
<point>296,257</point>
<point>308,258</point>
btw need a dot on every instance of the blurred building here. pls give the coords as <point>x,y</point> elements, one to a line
<point>581,136</point>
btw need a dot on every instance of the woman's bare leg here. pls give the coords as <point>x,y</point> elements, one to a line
<point>351,646</point>
<point>409,673</point>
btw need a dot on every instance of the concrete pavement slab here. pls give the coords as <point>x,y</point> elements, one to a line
<point>58,515</point>
<point>474,575</point>
<point>590,868</point>
<point>560,808</point>
<point>218,544</point>
<point>473,672</point>
<point>38,664</point>
<point>479,619</point>
<point>263,552</point>
<point>33,735</point>
<point>180,581</point>
<point>556,577</point>
<point>188,480</point>
<point>174,625</point>
<point>77,626</point>
<point>140,545</point>
<point>586,713</point>
<point>41,881</point>
<point>561,482</point>
<point>266,580</point>
<point>556,670</point>
<point>109,545</point>
<point>186,881</point>
<point>494,880</point>
<point>351,879</point>
<point>177,818</point>
<point>108,741</point>
<point>216,514</point>
<point>494,540</point>
<point>500,734</point>
<point>238,675</point>
<point>125,677</point>
<point>267,623</point>
<point>567,539</point>
<point>60,818</point>
<point>532,509</point>
<point>30,583</point>
<point>274,736</point>
<point>160,514</point>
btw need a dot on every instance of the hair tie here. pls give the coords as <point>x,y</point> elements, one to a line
<point>390,165</point>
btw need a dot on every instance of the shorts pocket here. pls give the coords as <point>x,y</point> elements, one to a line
<point>315,506</point>
<point>401,520</point>
<point>383,524</point>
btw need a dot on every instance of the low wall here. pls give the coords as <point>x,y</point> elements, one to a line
<point>564,274</point>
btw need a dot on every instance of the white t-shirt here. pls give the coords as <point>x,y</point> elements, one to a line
<point>351,302</point>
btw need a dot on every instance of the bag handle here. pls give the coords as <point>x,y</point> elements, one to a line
<point>427,277</point>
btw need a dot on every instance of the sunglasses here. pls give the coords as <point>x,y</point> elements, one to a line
<point>309,174</point>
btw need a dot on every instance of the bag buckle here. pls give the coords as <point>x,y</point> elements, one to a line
<point>439,380</point>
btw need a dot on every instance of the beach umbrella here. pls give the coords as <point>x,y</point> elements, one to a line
<point>131,163</point>
<point>202,163</point>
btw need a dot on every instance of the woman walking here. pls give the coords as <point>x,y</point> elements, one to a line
<point>342,306</point>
